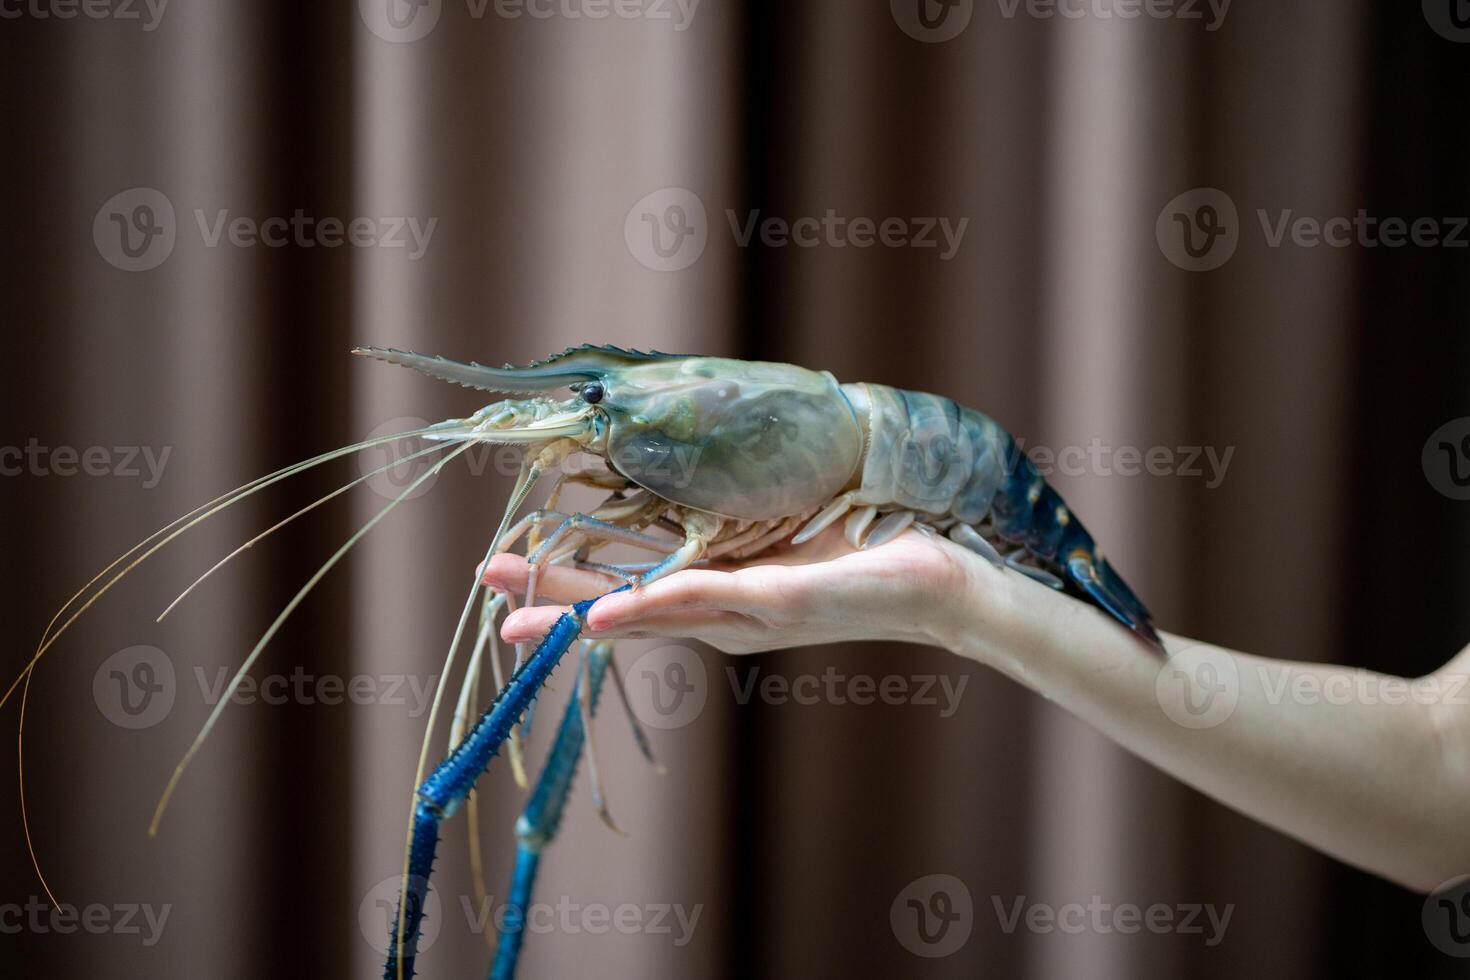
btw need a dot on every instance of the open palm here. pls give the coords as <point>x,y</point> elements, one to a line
<point>821,591</point>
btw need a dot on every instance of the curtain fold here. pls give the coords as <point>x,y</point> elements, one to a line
<point>533,182</point>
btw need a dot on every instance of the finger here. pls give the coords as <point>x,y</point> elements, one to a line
<point>693,588</point>
<point>510,573</point>
<point>530,625</point>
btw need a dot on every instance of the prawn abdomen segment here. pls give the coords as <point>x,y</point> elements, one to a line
<point>955,466</point>
<point>929,454</point>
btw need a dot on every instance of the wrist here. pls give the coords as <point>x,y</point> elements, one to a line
<point>976,611</point>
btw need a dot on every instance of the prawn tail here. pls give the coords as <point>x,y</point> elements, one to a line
<point>1028,511</point>
<point>1101,583</point>
<point>927,454</point>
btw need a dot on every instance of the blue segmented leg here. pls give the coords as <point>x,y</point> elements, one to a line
<point>629,574</point>
<point>586,526</point>
<point>541,818</point>
<point>539,822</point>
<point>446,788</point>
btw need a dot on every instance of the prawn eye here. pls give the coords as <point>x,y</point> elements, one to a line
<point>592,392</point>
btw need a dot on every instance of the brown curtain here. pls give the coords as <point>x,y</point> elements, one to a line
<point>790,828</point>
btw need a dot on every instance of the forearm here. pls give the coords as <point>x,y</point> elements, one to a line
<point>1365,767</point>
<point>1354,763</point>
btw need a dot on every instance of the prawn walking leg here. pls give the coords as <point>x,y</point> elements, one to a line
<point>446,788</point>
<point>541,818</point>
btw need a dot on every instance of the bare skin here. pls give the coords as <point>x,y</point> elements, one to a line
<point>1371,769</point>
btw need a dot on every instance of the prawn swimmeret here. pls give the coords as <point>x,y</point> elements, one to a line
<point>705,458</point>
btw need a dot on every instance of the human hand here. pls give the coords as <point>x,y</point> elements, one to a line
<point>822,591</point>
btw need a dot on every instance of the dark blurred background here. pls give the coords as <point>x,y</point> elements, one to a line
<point>1080,150</point>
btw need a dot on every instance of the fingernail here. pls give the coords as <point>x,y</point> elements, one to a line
<point>604,618</point>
